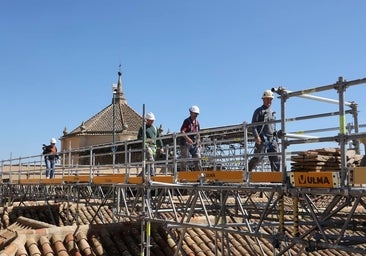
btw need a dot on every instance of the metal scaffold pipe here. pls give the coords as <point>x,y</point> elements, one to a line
<point>304,94</point>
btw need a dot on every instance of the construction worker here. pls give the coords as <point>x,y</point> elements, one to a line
<point>50,152</point>
<point>151,142</point>
<point>265,133</point>
<point>191,143</point>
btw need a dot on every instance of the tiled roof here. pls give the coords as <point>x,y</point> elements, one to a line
<point>117,116</point>
<point>126,119</point>
<point>80,229</point>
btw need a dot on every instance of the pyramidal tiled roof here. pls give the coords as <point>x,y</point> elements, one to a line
<point>124,117</point>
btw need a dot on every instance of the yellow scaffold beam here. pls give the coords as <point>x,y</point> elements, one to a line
<point>135,180</point>
<point>35,181</point>
<point>54,181</point>
<point>266,177</point>
<point>38,181</point>
<point>211,176</point>
<point>109,179</point>
<point>77,178</point>
<point>323,179</point>
<point>358,175</point>
<point>164,178</point>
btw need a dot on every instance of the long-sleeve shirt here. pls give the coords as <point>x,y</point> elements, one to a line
<point>51,152</point>
<point>151,135</point>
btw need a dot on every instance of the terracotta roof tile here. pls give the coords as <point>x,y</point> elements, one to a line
<point>40,238</point>
<point>126,119</point>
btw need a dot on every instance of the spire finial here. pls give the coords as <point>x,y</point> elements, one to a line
<point>118,93</point>
<point>119,84</point>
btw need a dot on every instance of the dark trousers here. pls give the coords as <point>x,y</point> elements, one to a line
<point>269,147</point>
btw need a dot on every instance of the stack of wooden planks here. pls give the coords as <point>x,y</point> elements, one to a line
<point>323,159</point>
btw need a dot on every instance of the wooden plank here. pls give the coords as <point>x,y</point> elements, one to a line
<point>77,178</point>
<point>315,158</point>
<point>315,164</point>
<point>266,177</point>
<point>314,168</point>
<point>109,179</point>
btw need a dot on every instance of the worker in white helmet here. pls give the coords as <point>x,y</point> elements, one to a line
<point>153,145</point>
<point>265,133</point>
<point>190,140</point>
<point>50,157</point>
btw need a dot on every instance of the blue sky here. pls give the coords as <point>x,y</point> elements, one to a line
<point>59,60</point>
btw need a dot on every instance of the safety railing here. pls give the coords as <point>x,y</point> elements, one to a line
<point>225,148</point>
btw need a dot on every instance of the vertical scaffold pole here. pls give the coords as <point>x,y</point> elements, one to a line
<point>281,214</point>
<point>295,202</point>
<point>283,129</point>
<point>341,87</point>
<point>142,248</point>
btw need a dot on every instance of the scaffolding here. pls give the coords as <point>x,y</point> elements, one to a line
<point>294,216</point>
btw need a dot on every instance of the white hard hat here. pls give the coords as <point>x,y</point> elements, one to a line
<point>194,109</point>
<point>150,116</point>
<point>267,94</point>
<point>53,141</point>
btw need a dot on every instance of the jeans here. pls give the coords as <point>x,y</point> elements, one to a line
<point>195,152</point>
<point>50,168</point>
